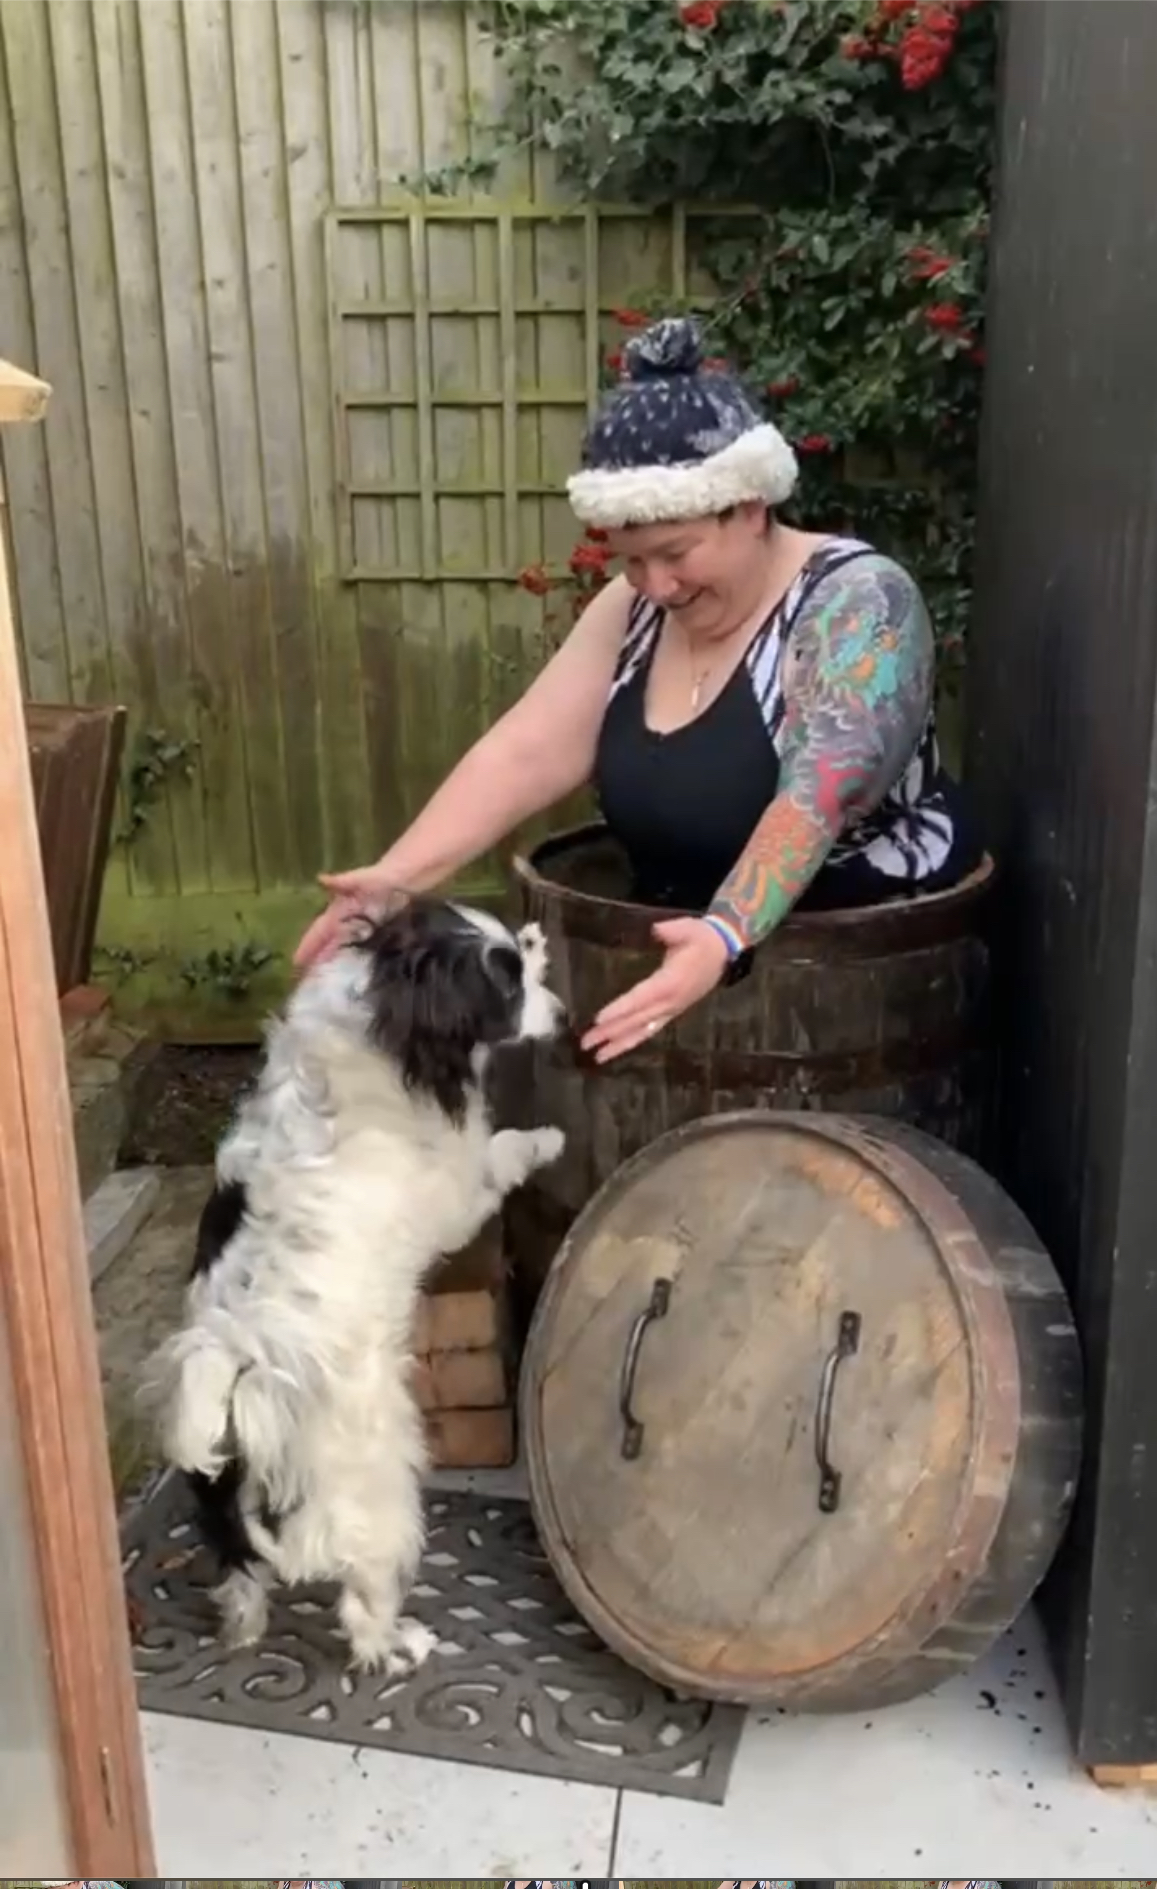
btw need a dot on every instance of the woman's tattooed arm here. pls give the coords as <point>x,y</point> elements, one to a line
<point>857,691</point>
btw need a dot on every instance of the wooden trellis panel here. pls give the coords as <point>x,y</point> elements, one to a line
<point>466,343</point>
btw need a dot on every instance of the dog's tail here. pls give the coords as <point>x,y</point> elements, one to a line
<point>214,1403</point>
<point>188,1388</point>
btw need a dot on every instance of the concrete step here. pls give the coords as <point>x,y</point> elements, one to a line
<point>138,1300</point>
<point>115,1212</point>
<point>103,1070</point>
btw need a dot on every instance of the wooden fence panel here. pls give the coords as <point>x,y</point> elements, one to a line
<point>38,605</point>
<point>151,620</point>
<point>205,527</point>
<point>217,642</point>
<point>121,665</point>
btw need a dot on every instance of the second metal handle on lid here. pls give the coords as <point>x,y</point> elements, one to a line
<point>846,1346</point>
<point>657,1308</point>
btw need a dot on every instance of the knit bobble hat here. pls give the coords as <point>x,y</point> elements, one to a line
<point>676,440</point>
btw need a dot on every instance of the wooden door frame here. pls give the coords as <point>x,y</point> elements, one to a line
<point>47,1305</point>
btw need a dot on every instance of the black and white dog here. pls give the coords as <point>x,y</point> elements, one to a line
<point>364,1154</point>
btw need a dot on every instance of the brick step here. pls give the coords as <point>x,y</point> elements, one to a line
<point>104,1059</point>
<point>462,1380</point>
<point>465,1303</point>
<point>463,1364</point>
<point>85,1018</point>
<point>471,1439</point>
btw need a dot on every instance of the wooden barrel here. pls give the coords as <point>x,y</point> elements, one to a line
<point>801,1405</point>
<point>882,1011</point>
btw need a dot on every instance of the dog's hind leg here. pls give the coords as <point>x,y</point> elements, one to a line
<point>243,1601</point>
<point>382,1639</point>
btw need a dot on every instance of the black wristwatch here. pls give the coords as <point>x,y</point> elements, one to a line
<point>739,968</point>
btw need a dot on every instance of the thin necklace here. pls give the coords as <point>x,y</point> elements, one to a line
<point>697,682</point>
<point>700,677</point>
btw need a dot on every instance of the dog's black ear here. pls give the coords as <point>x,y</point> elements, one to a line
<point>421,1019</point>
<point>436,994</point>
<point>444,1026</point>
<point>504,967</point>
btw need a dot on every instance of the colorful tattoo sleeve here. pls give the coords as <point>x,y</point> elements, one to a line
<point>857,691</point>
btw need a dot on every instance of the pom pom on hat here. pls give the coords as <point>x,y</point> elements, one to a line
<point>668,347</point>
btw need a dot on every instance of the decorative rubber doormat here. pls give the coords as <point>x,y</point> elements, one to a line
<point>517,1682</point>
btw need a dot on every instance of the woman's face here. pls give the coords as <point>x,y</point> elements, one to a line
<point>700,570</point>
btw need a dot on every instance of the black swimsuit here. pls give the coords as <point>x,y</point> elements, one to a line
<point>684,804</point>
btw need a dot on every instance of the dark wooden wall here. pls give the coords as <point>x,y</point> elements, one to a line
<point>1063,679</point>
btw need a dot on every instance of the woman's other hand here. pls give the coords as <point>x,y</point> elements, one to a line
<point>364,892</point>
<point>695,962</point>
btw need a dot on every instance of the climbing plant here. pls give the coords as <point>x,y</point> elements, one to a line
<point>860,133</point>
<point>157,758</point>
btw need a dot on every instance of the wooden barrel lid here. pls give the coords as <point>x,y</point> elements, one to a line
<point>771,1400</point>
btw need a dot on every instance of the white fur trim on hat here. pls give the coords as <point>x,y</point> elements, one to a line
<point>758,465</point>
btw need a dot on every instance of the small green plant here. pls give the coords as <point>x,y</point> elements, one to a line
<point>122,961</point>
<point>157,757</point>
<point>227,969</point>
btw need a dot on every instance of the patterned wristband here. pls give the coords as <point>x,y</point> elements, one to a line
<point>723,928</point>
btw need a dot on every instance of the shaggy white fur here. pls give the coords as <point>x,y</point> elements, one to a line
<point>291,1370</point>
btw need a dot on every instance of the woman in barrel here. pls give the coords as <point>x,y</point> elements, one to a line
<point>753,704</point>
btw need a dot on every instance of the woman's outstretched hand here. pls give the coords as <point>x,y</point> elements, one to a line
<point>364,892</point>
<point>695,962</point>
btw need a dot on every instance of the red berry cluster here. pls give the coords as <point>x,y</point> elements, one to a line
<point>947,317</point>
<point>590,560</point>
<point>925,265</point>
<point>536,579</point>
<point>588,571</point>
<point>926,46</point>
<point>703,14</point>
<point>927,32</point>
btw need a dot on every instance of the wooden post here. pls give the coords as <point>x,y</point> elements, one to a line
<point>47,1315</point>
<point>1062,738</point>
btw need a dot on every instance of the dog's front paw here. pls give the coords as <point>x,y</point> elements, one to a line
<point>535,951</point>
<point>548,1145</point>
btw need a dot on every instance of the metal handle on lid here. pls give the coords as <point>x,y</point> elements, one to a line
<point>846,1346</point>
<point>632,1428</point>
